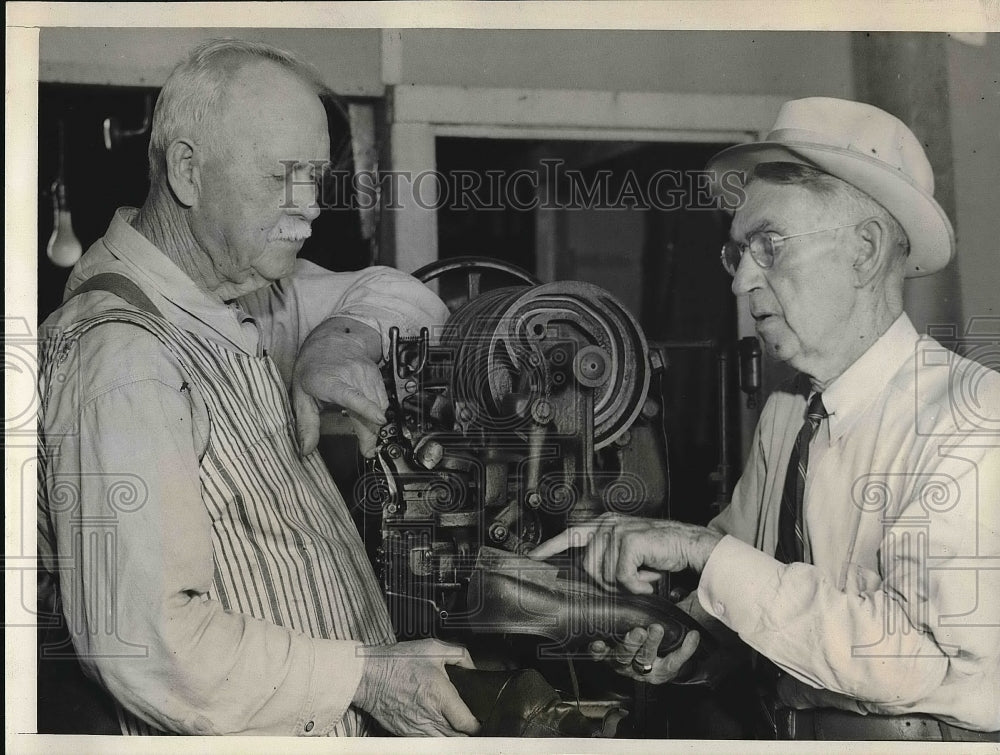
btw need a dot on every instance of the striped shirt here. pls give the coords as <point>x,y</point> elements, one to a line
<point>214,579</point>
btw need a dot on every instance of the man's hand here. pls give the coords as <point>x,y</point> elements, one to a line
<point>406,688</point>
<point>338,364</point>
<point>638,650</point>
<point>618,547</point>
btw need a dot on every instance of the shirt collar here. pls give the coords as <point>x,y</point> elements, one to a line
<point>847,397</point>
<point>151,268</point>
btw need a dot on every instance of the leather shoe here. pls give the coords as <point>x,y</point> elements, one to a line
<point>517,595</point>
<point>521,703</point>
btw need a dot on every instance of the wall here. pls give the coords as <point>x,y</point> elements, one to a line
<point>782,63</point>
<point>974,74</point>
<point>349,60</point>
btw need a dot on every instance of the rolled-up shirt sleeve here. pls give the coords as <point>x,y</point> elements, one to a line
<point>133,548</point>
<point>379,297</point>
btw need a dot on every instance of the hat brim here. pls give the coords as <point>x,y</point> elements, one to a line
<point>932,240</point>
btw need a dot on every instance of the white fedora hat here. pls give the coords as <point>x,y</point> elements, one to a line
<point>867,148</point>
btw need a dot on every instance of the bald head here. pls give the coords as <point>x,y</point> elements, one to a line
<point>240,143</point>
<point>264,102</point>
<point>197,91</point>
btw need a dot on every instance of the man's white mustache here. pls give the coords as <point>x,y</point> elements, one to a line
<point>290,231</point>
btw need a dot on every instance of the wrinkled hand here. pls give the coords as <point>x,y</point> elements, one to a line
<point>338,364</point>
<point>406,688</point>
<point>639,647</point>
<point>618,547</point>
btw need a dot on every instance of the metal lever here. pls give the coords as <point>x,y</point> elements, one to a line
<point>749,351</point>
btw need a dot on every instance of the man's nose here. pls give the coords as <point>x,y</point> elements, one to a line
<point>304,201</point>
<point>749,275</point>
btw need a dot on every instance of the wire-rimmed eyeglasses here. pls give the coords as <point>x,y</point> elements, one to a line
<point>763,246</point>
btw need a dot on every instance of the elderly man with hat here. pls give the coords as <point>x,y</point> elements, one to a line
<point>860,552</point>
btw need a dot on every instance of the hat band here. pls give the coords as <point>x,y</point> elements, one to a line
<point>802,135</point>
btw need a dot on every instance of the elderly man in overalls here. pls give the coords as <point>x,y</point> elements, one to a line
<point>211,576</point>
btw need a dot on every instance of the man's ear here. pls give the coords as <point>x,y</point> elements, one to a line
<point>872,251</point>
<point>183,175</point>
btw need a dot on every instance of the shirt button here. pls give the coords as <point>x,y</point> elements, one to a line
<point>309,726</point>
<point>720,608</point>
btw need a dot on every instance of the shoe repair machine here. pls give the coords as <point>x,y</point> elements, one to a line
<point>529,412</point>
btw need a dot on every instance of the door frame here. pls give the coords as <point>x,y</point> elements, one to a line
<point>420,114</point>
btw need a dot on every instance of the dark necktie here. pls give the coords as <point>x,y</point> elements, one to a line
<point>790,541</point>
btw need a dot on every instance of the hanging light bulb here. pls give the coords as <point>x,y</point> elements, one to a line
<point>64,248</point>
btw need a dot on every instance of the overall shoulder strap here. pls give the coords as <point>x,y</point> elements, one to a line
<point>122,287</point>
<point>80,705</point>
<point>56,344</point>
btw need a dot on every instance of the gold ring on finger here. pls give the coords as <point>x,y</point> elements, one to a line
<point>641,668</point>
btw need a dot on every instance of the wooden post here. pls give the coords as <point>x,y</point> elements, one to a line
<point>906,74</point>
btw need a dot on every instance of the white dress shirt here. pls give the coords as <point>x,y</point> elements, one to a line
<point>898,609</point>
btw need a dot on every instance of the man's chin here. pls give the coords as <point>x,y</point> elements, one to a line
<point>256,279</point>
<point>280,264</point>
<point>280,247</point>
<point>776,347</point>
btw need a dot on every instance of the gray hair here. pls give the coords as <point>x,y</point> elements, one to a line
<point>830,187</point>
<point>196,88</point>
